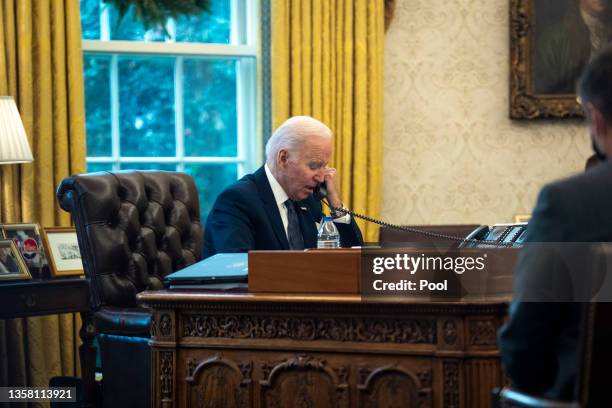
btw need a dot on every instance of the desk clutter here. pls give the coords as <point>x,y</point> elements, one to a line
<point>28,251</point>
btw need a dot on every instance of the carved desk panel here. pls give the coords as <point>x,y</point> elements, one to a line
<point>257,350</point>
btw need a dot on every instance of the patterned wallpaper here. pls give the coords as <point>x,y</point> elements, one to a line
<point>451,154</point>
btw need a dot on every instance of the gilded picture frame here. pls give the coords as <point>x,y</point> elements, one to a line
<point>12,265</point>
<point>63,250</point>
<point>522,218</point>
<point>29,242</point>
<point>550,43</point>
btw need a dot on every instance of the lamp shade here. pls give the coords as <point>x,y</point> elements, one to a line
<point>14,147</point>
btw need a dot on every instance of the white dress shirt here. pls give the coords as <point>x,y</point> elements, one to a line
<point>280,196</point>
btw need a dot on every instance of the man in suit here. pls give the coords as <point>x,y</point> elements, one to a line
<point>274,207</point>
<point>540,342</point>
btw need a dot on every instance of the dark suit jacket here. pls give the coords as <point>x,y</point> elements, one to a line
<point>539,343</point>
<point>245,216</point>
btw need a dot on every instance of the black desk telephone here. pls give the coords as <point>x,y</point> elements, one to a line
<point>508,235</point>
<point>498,235</point>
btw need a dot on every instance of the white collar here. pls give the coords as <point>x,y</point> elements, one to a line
<point>279,193</point>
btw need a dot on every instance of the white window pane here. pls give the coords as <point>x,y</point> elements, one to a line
<point>97,104</point>
<point>207,27</point>
<point>213,27</point>
<point>166,108</point>
<point>93,167</point>
<point>148,166</point>
<point>131,29</point>
<point>146,106</point>
<point>211,179</point>
<point>210,116</point>
<point>90,19</point>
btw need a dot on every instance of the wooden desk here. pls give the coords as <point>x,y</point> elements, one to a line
<point>259,350</point>
<point>51,296</point>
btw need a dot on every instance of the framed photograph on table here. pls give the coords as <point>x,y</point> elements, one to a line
<point>550,43</point>
<point>522,217</point>
<point>63,250</point>
<point>28,241</point>
<point>12,265</point>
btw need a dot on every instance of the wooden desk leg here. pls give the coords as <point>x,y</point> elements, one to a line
<point>87,352</point>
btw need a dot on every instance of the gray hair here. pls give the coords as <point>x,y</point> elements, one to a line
<point>292,134</point>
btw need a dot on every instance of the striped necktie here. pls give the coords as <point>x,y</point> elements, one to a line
<point>294,234</point>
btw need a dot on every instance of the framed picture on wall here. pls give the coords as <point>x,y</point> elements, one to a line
<point>29,242</point>
<point>12,265</point>
<point>63,249</point>
<point>550,43</point>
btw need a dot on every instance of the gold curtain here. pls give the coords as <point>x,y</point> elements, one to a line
<point>327,62</point>
<point>41,66</point>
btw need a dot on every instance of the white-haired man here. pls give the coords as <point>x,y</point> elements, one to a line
<point>274,207</point>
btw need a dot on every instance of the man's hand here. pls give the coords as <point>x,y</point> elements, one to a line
<point>333,192</point>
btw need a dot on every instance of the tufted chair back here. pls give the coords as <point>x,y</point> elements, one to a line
<point>134,228</point>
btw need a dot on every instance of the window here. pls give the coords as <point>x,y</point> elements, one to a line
<point>185,103</point>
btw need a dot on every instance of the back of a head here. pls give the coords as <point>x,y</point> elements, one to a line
<point>292,134</point>
<point>595,84</point>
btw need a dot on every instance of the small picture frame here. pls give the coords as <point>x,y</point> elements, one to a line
<point>522,217</point>
<point>12,265</point>
<point>63,250</point>
<point>28,241</point>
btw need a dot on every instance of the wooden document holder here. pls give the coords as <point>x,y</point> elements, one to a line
<point>338,271</point>
<point>312,271</point>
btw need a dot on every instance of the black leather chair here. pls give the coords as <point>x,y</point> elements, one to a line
<point>133,228</point>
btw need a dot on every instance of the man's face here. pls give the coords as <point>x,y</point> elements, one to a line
<point>303,170</point>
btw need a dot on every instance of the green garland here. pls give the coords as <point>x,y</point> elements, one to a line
<point>155,13</point>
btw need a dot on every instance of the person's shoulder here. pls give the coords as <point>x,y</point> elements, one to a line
<point>575,208</point>
<point>590,185</point>
<point>240,190</point>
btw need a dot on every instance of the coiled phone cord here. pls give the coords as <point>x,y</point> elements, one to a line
<point>417,231</point>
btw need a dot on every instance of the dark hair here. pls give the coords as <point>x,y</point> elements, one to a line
<point>595,84</point>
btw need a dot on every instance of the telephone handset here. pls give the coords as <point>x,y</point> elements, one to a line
<point>320,191</point>
<point>499,235</point>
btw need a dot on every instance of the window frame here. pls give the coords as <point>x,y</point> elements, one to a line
<point>243,48</point>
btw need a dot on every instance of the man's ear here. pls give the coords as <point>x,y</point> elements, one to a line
<point>282,157</point>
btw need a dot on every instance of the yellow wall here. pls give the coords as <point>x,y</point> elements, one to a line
<point>451,153</point>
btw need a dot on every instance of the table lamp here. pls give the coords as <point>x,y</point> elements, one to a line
<point>14,147</point>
